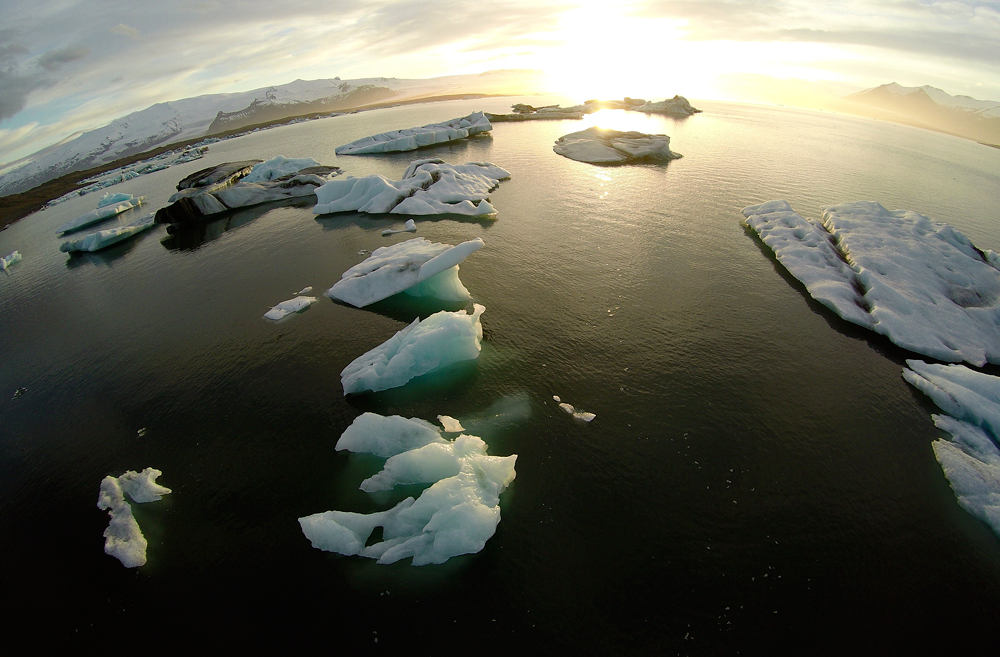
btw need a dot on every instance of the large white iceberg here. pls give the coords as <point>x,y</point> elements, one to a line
<point>604,146</point>
<point>422,347</point>
<point>105,238</point>
<point>8,260</point>
<point>112,205</point>
<point>971,460</point>
<point>418,267</point>
<point>920,283</point>
<point>455,516</point>
<point>429,186</point>
<point>285,308</point>
<point>413,138</point>
<point>123,538</point>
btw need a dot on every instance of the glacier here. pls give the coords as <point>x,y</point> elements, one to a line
<point>417,266</point>
<point>110,208</point>
<point>456,515</point>
<point>604,146</point>
<point>430,186</point>
<point>8,260</point>
<point>411,139</point>
<point>422,347</point>
<point>123,538</point>
<point>920,283</point>
<point>105,238</point>
<point>971,460</point>
<point>285,308</point>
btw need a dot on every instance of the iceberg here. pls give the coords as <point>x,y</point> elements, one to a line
<point>417,267</point>
<point>456,515</point>
<point>413,138</point>
<point>430,186</point>
<point>971,460</point>
<point>422,347</point>
<point>105,238</point>
<point>604,146</point>
<point>8,260</point>
<point>678,105</point>
<point>123,538</point>
<point>409,227</point>
<point>920,283</point>
<point>102,212</point>
<point>285,308</point>
<point>278,167</point>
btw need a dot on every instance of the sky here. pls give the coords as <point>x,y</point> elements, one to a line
<point>73,65</point>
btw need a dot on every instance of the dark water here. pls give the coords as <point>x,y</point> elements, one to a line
<point>759,478</point>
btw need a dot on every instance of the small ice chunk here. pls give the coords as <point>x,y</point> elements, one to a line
<point>142,486</point>
<point>422,347</point>
<point>101,213</point>
<point>571,410</point>
<point>305,290</point>
<point>296,305</point>
<point>417,266</point>
<point>413,138</point>
<point>8,260</point>
<point>277,167</point>
<point>105,238</point>
<point>123,538</point>
<point>384,436</point>
<point>450,424</point>
<point>603,146</point>
<point>409,227</point>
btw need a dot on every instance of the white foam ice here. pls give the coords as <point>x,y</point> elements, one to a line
<point>413,138</point>
<point>604,146</point>
<point>101,213</point>
<point>571,410</point>
<point>430,186</point>
<point>409,227</point>
<point>123,538</point>
<point>920,283</point>
<point>418,267</point>
<point>456,515</point>
<point>8,260</point>
<point>422,347</point>
<point>285,308</point>
<point>277,167</point>
<point>971,460</point>
<point>105,238</point>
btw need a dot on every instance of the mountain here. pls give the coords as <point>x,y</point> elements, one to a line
<point>191,118</point>
<point>933,108</point>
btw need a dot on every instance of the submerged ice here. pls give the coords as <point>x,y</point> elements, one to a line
<point>604,146</point>
<point>971,460</point>
<point>920,283</point>
<point>456,515</point>
<point>123,538</point>
<point>417,267</point>
<point>411,139</point>
<point>420,348</point>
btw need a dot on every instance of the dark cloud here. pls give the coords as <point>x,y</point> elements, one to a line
<point>18,81</point>
<point>14,91</point>
<point>53,59</point>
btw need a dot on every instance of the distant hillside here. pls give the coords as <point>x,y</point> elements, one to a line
<point>932,108</point>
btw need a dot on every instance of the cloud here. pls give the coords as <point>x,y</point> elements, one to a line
<point>126,31</point>
<point>54,59</point>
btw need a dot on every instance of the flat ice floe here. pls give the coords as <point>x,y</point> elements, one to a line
<point>417,267</point>
<point>604,146</point>
<point>920,283</point>
<point>105,238</point>
<point>285,308</point>
<point>8,260</point>
<point>456,515</point>
<point>123,538</point>
<point>427,187</point>
<point>422,347</point>
<point>109,206</point>
<point>411,139</point>
<point>971,460</point>
<point>572,410</point>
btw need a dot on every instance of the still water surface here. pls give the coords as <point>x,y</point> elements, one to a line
<point>759,477</point>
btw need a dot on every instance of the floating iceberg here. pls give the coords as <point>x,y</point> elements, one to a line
<point>296,305</point>
<point>216,189</point>
<point>413,138</point>
<point>123,538</point>
<point>109,209</point>
<point>8,260</point>
<point>418,267</point>
<point>571,410</point>
<point>603,146</point>
<point>450,424</point>
<point>920,283</point>
<point>971,460</point>
<point>422,347</point>
<point>678,105</point>
<point>455,516</point>
<point>105,238</point>
<point>409,227</point>
<point>429,186</point>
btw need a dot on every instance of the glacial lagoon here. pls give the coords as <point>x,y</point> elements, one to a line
<point>758,477</point>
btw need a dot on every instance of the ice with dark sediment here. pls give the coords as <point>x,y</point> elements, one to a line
<point>417,267</point>
<point>456,515</point>
<point>971,459</point>
<point>105,238</point>
<point>112,205</point>
<point>410,139</point>
<point>123,538</point>
<point>422,347</point>
<point>428,187</point>
<point>920,283</point>
<point>604,146</point>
